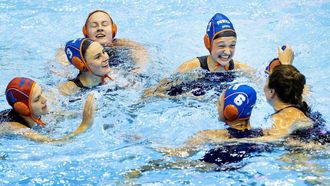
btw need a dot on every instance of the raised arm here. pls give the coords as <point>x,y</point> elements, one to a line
<point>87,121</point>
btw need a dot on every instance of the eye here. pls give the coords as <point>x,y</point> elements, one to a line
<point>97,56</point>
<point>37,99</point>
<point>105,23</point>
<point>93,25</point>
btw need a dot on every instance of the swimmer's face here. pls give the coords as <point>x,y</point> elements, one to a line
<point>223,49</point>
<point>97,59</point>
<point>38,102</point>
<point>220,107</point>
<point>99,28</point>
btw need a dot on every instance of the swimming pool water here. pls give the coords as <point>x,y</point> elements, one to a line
<point>126,125</point>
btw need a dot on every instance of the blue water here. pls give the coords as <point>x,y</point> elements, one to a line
<point>126,126</point>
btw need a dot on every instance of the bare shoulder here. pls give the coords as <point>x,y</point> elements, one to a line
<point>290,119</point>
<point>189,65</point>
<point>61,57</point>
<point>68,88</point>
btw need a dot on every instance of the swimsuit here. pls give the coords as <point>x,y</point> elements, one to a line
<point>217,81</point>
<point>203,63</point>
<point>11,115</point>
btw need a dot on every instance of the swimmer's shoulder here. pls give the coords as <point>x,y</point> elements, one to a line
<point>189,65</point>
<point>68,88</point>
<point>290,119</point>
<point>61,57</point>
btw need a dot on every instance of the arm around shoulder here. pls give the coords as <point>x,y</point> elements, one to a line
<point>139,53</point>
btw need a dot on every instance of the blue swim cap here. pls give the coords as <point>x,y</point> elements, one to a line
<point>239,101</point>
<point>217,25</point>
<point>74,52</point>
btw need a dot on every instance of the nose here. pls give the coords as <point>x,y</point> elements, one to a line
<point>105,56</point>
<point>43,100</point>
<point>227,50</point>
<point>99,28</point>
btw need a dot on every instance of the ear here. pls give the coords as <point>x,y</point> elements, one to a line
<point>272,93</point>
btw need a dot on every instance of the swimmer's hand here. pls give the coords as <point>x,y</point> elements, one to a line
<point>285,56</point>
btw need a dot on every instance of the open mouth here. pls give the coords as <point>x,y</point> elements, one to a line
<point>44,107</point>
<point>224,58</point>
<point>100,35</point>
<point>105,65</point>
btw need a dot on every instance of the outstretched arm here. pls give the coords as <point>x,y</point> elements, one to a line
<point>193,144</point>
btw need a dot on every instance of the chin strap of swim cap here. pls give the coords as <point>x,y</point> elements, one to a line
<point>18,94</point>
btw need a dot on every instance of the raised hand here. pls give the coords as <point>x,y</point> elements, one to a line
<point>285,56</point>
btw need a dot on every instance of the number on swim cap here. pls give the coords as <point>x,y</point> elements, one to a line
<point>235,87</point>
<point>240,98</point>
<point>69,53</point>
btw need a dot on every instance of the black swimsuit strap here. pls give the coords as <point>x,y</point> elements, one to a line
<point>203,63</point>
<point>286,108</point>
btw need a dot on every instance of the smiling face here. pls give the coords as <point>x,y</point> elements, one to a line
<point>97,59</point>
<point>223,49</point>
<point>220,105</point>
<point>38,102</point>
<point>99,26</point>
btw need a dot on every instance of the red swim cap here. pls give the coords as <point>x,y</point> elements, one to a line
<point>18,93</point>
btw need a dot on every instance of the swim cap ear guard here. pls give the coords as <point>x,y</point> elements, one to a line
<point>217,25</point>
<point>114,26</point>
<point>18,93</point>
<point>73,51</point>
<point>239,101</point>
<point>269,68</point>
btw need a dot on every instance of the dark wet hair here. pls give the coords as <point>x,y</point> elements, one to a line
<point>86,43</point>
<point>225,34</point>
<point>288,84</point>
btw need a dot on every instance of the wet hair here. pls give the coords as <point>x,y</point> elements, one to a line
<point>86,43</point>
<point>288,84</point>
<point>225,34</point>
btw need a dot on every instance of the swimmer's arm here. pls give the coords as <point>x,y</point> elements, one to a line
<point>249,72</point>
<point>61,57</point>
<point>159,89</point>
<point>139,54</point>
<point>68,88</point>
<point>193,144</point>
<point>88,118</point>
<point>189,66</point>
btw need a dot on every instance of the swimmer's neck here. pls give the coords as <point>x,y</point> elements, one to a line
<point>30,122</point>
<point>278,104</point>
<point>239,124</point>
<point>89,80</point>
